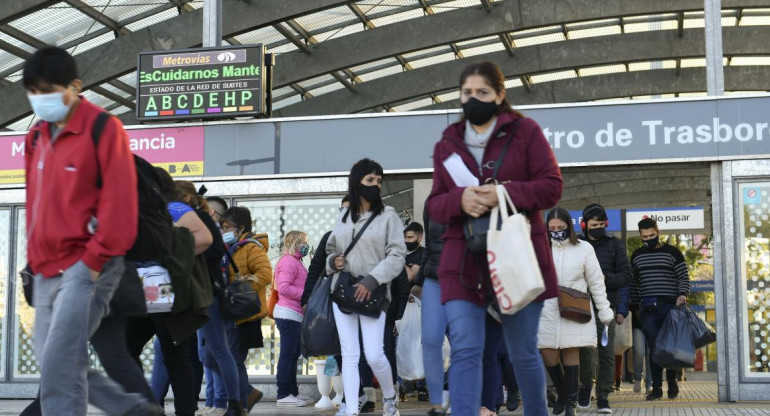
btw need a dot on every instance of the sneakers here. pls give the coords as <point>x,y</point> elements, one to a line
<point>390,407</point>
<point>434,412</point>
<point>204,412</point>
<point>637,386</point>
<point>584,398</point>
<point>366,407</point>
<point>616,386</point>
<point>216,411</point>
<point>655,394</point>
<point>673,390</point>
<point>603,405</point>
<point>291,401</point>
<point>342,411</point>
<point>306,399</point>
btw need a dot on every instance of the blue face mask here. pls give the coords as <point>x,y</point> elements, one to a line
<point>229,237</point>
<point>50,107</point>
<point>304,250</point>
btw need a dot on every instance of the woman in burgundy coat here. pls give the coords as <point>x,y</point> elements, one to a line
<point>531,175</point>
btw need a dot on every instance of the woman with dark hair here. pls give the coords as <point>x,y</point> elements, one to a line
<point>249,252</point>
<point>497,144</point>
<point>560,339</point>
<point>378,256</point>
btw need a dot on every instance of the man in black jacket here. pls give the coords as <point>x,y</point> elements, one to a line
<point>611,254</point>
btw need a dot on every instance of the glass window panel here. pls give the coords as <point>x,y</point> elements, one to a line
<point>399,17</point>
<point>754,243</point>
<point>422,102</point>
<point>589,33</point>
<point>539,39</point>
<point>480,50</point>
<point>24,360</point>
<point>57,25</point>
<point>276,218</point>
<point>287,102</point>
<point>327,89</point>
<point>119,10</point>
<point>650,26</point>
<point>338,33</point>
<point>553,76</point>
<point>5,256</point>
<point>381,73</point>
<point>82,47</point>
<point>755,21</point>
<point>151,20</point>
<point>450,96</point>
<point>601,70</point>
<point>434,60</point>
<point>750,60</point>
<point>331,17</point>
<point>513,83</point>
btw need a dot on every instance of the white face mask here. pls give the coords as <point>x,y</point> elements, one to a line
<point>50,107</point>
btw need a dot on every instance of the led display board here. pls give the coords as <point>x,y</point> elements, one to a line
<point>202,83</point>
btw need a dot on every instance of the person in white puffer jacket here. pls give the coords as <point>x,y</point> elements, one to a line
<point>560,339</point>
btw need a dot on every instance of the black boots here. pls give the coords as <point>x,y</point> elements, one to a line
<point>557,377</point>
<point>234,408</point>
<point>571,374</point>
<point>673,385</point>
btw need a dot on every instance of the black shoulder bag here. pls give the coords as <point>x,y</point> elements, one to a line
<point>238,299</point>
<point>475,229</point>
<point>344,290</point>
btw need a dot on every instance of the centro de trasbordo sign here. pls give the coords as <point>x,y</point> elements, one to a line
<point>201,83</point>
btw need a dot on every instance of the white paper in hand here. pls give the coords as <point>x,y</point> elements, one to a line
<point>460,173</point>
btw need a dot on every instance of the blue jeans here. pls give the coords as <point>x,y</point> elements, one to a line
<point>214,341</point>
<point>520,332</point>
<point>651,324</point>
<point>240,355</point>
<point>215,390</point>
<point>68,311</point>
<point>641,363</point>
<point>159,380</point>
<point>434,328</point>
<point>466,337</point>
<point>286,376</point>
<point>493,379</point>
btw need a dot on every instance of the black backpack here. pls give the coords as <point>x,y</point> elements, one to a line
<point>155,226</point>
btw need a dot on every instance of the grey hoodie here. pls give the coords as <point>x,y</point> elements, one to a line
<point>380,254</point>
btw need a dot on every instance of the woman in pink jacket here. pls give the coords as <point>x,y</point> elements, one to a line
<point>290,276</point>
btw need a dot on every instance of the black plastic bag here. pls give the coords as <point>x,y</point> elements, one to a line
<point>702,333</point>
<point>319,330</point>
<point>674,347</point>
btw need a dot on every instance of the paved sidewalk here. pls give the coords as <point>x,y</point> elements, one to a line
<point>697,398</point>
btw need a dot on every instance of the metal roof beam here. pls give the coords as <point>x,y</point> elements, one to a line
<point>118,57</point>
<point>97,15</point>
<point>292,38</point>
<point>627,84</point>
<point>461,25</point>
<point>361,15</point>
<point>123,86</point>
<point>114,97</point>
<point>486,5</point>
<point>15,9</point>
<point>540,59</point>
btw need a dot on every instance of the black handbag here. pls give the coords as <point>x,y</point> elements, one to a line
<point>238,299</point>
<point>344,291</point>
<point>475,229</point>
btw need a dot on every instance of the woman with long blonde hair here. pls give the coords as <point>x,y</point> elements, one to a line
<point>290,276</point>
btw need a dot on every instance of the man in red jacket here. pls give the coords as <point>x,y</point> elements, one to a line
<point>82,212</point>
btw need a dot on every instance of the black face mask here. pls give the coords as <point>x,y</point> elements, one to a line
<point>653,242</point>
<point>370,193</point>
<point>559,236</point>
<point>479,112</point>
<point>596,233</point>
<point>412,246</point>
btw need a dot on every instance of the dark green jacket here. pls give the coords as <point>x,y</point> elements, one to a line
<point>192,287</point>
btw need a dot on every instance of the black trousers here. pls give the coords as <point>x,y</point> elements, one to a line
<point>111,345</point>
<point>178,359</point>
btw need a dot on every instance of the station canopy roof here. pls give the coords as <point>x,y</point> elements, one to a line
<point>337,57</point>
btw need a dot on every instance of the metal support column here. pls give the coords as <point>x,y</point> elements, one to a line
<point>212,23</point>
<point>715,77</point>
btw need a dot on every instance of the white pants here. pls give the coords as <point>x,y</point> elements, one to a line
<point>373,332</point>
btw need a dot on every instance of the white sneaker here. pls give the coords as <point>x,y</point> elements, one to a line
<point>390,407</point>
<point>342,411</point>
<point>216,411</point>
<point>204,412</point>
<point>308,401</point>
<point>291,401</point>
